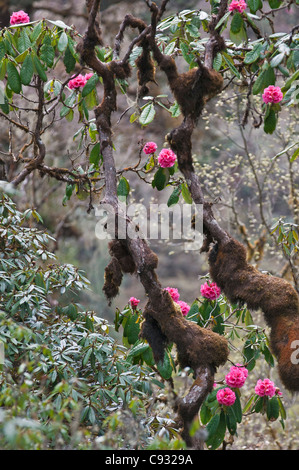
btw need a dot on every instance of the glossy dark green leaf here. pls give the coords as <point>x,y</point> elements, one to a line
<point>174,197</point>
<point>39,69</point>
<point>123,188</point>
<point>27,70</point>
<point>237,23</point>
<point>69,60</point>
<point>90,85</point>
<point>216,428</point>
<point>13,77</point>
<point>95,154</point>
<point>270,122</point>
<point>160,180</point>
<point>165,367</point>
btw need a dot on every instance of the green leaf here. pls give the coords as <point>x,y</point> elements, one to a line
<point>295,155</point>
<point>231,421</point>
<point>270,122</point>
<point>186,53</point>
<point>27,70</point>
<point>90,85</point>
<point>4,106</point>
<point>254,5</point>
<point>39,68</point>
<point>239,37</point>
<point>2,50</point>
<point>248,404</point>
<point>13,78</point>
<point>275,3</point>
<point>192,30</point>
<point>277,59</point>
<point>265,78</point>
<point>237,408</point>
<point>186,193</point>
<point>138,350</point>
<point>205,414</point>
<point>175,110</point>
<point>123,188</point>
<point>23,41</point>
<point>87,356</point>
<point>60,24</point>
<point>253,55</point>
<point>47,52</point>
<point>63,42</point>
<point>36,32</point>
<point>217,62</point>
<point>237,23</point>
<point>290,81</point>
<point>159,181</point>
<point>230,64</point>
<point>132,328</point>
<point>174,197</point>
<point>165,367</point>
<point>216,428</point>
<point>147,115</point>
<point>95,154</point>
<point>69,60</point>
<point>282,410</point>
<point>272,409</point>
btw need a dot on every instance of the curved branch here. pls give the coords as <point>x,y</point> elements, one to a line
<point>198,348</point>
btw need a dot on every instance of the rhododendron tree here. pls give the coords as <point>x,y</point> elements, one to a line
<point>57,75</point>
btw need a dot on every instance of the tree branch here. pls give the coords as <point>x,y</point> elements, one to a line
<point>198,348</point>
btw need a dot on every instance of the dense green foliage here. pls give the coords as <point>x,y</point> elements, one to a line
<point>66,382</point>
<point>63,374</point>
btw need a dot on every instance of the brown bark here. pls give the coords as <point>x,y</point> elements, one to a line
<point>198,348</point>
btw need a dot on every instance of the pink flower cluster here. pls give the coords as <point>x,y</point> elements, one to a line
<point>184,307</point>
<point>265,388</point>
<point>272,94</point>
<point>150,148</point>
<point>19,17</point>
<point>225,396</point>
<point>134,302</point>
<point>210,290</point>
<point>166,158</point>
<point>238,5</point>
<point>79,81</point>
<point>236,376</point>
<point>174,294</point>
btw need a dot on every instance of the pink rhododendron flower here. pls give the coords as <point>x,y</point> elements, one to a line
<point>236,376</point>
<point>19,17</point>
<point>225,396</point>
<point>134,302</point>
<point>88,76</point>
<point>150,148</point>
<point>166,158</point>
<point>77,82</point>
<point>210,290</point>
<point>265,388</point>
<point>184,307</point>
<point>272,94</point>
<point>174,293</point>
<point>237,5</point>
